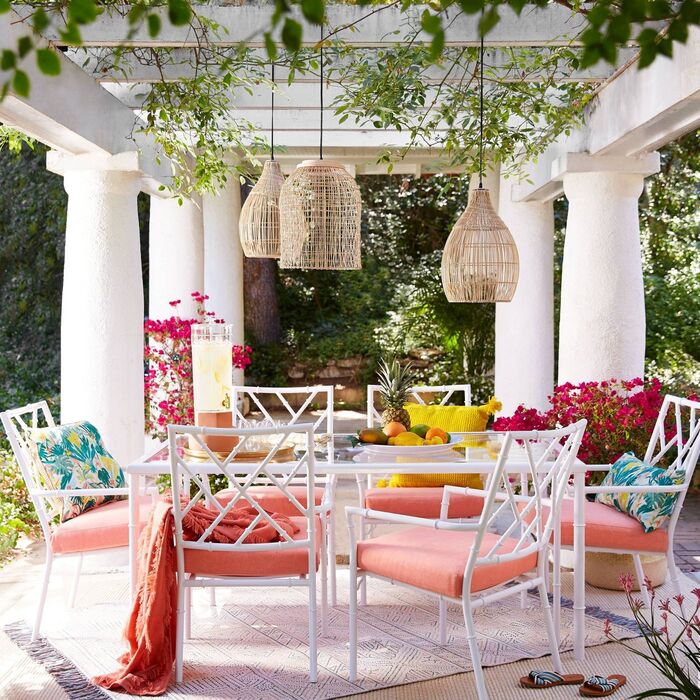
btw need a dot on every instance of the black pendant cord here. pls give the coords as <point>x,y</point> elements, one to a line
<point>481,113</point>
<point>272,116</point>
<point>320,138</point>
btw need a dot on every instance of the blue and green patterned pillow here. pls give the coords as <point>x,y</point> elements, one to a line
<point>73,456</point>
<point>651,509</point>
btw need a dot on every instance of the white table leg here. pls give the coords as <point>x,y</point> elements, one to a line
<point>579,566</point>
<point>134,490</point>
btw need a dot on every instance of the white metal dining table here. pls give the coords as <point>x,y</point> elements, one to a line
<point>340,458</point>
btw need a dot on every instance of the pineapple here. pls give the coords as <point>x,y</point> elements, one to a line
<point>395,383</point>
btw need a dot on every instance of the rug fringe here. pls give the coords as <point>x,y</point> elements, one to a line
<point>66,673</point>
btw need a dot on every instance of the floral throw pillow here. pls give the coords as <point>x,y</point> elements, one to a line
<point>73,456</point>
<point>651,509</point>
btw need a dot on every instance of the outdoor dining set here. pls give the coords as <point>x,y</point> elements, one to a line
<point>255,505</point>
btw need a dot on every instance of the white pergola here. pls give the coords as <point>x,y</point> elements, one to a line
<point>86,116</point>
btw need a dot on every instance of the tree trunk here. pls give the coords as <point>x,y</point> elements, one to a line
<point>262,318</point>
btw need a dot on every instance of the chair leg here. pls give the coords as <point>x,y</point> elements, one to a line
<point>332,558</point>
<point>674,574</point>
<point>352,632</point>
<point>188,613</point>
<point>313,632</point>
<point>324,579</point>
<point>76,578</point>
<point>364,529</point>
<point>179,635</point>
<point>556,583</point>
<point>479,679</point>
<point>212,597</point>
<point>442,621</point>
<point>42,596</point>
<point>551,631</point>
<point>639,571</point>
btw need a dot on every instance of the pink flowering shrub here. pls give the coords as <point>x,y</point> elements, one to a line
<point>620,414</point>
<point>169,396</point>
<point>672,635</point>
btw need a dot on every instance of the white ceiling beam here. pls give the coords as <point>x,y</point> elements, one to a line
<point>71,112</point>
<point>553,25</point>
<point>178,65</point>
<point>637,112</point>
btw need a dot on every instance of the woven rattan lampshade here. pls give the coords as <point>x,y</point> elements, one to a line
<point>480,261</point>
<point>259,223</point>
<point>320,209</point>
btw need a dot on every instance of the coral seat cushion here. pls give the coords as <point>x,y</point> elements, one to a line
<point>101,527</point>
<point>434,560</point>
<point>275,562</point>
<point>273,500</point>
<point>608,528</point>
<point>423,502</point>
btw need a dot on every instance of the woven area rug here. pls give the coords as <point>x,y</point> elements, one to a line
<point>253,644</point>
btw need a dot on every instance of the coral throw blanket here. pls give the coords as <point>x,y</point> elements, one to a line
<point>150,631</point>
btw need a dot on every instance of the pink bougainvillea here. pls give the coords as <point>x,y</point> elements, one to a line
<point>169,397</point>
<point>620,414</point>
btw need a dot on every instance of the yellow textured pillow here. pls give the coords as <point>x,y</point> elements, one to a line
<point>454,419</point>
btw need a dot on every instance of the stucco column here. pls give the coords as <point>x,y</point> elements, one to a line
<point>602,324</point>
<point>223,259</point>
<point>102,305</point>
<point>176,256</point>
<point>525,325</point>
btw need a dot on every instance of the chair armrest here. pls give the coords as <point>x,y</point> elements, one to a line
<point>447,491</point>
<point>659,488</point>
<point>397,518</point>
<point>66,493</point>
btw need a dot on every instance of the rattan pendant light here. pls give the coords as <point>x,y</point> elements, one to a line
<point>259,223</point>
<point>480,261</point>
<point>320,208</point>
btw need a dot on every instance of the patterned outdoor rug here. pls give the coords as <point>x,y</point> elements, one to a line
<point>253,645</point>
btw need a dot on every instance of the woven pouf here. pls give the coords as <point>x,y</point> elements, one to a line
<point>603,570</point>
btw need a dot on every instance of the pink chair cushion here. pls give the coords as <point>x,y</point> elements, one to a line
<point>102,527</point>
<point>283,562</point>
<point>422,502</point>
<point>609,528</point>
<point>434,560</point>
<point>273,500</point>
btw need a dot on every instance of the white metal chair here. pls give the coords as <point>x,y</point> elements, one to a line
<point>268,496</point>
<point>421,502</point>
<point>104,527</point>
<point>675,444</point>
<point>292,561</point>
<point>467,561</point>
<point>417,393</point>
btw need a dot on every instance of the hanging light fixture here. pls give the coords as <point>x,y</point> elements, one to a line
<point>480,261</point>
<point>320,208</point>
<point>259,223</point>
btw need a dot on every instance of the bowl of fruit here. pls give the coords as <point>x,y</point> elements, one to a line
<point>394,439</point>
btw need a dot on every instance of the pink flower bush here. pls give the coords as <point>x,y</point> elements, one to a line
<point>620,414</point>
<point>169,396</point>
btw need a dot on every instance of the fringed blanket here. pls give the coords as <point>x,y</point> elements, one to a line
<point>150,630</point>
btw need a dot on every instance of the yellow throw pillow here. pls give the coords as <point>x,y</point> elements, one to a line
<point>455,419</point>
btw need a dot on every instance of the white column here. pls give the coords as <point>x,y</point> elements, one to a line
<point>176,256</point>
<point>602,324</point>
<point>223,259</point>
<point>102,306</point>
<point>525,325</point>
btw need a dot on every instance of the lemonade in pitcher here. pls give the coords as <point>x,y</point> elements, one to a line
<point>212,367</point>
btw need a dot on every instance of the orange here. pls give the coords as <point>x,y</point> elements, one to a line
<point>394,428</point>
<point>437,433</point>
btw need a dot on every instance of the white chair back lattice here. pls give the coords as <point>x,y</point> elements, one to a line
<point>241,476</point>
<point>17,422</point>
<point>447,392</point>
<point>548,457</point>
<point>675,443</point>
